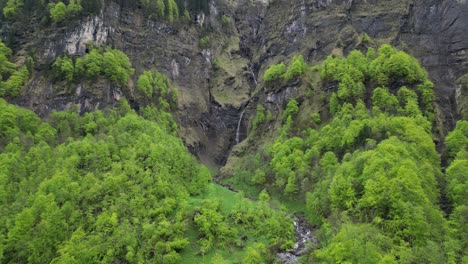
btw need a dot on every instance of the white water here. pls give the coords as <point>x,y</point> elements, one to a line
<point>253,75</point>
<point>239,126</point>
<point>304,237</point>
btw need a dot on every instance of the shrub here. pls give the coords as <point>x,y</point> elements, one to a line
<point>274,72</point>
<point>12,8</point>
<point>204,42</point>
<point>316,118</point>
<point>58,11</point>
<point>63,68</point>
<point>296,68</point>
<point>259,116</point>
<point>366,39</point>
<point>291,109</point>
<point>16,81</point>
<point>117,67</point>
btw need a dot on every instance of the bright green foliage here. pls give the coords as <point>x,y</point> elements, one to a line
<point>349,89</point>
<point>360,243</point>
<point>391,65</point>
<point>259,177</point>
<point>218,259</point>
<point>64,68</point>
<point>152,83</point>
<point>458,230</point>
<point>117,67</point>
<point>335,69</point>
<point>291,109</point>
<point>212,225</point>
<point>277,228</point>
<point>392,187</point>
<point>112,64</point>
<point>59,11</point>
<point>161,9</point>
<point>291,187</point>
<point>255,254</point>
<point>316,118</point>
<point>384,101</point>
<point>287,159</point>
<point>392,70</point>
<point>458,138</point>
<point>92,64</point>
<point>297,67</point>
<point>260,117</point>
<point>457,177</point>
<point>15,122</point>
<point>74,7</point>
<point>334,103</point>
<point>6,67</point>
<point>221,228</point>
<point>16,81</point>
<point>366,39</point>
<point>275,72</point>
<point>100,188</point>
<point>278,72</point>
<point>11,80</point>
<point>12,8</point>
<point>457,190</point>
<point>172,10</point>
<point>264,196</point>
<point>370,177</point>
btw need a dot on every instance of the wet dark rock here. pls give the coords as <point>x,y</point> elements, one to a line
<point>209,107</point>
<point>304,240</point>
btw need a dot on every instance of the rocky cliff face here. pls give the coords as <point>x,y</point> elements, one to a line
<point>220,80</point>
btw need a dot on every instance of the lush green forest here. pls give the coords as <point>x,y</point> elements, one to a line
<point>365,171</point>
<point>119,186</point>
<point>116,185</point>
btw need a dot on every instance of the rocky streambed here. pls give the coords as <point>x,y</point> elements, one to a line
<point>304,238</point>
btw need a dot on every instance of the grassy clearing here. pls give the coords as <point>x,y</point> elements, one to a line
<point>233,252</point>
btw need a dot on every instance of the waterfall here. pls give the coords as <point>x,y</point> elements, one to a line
<point>239,125</point>
<point>253,74</point>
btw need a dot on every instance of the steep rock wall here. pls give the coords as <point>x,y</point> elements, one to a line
<point>217,82</point>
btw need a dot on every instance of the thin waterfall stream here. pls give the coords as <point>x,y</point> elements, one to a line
<point>304,238</point>
<point>239,126</point>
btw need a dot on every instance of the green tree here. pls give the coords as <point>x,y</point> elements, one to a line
<point>64,68</point>
<point>458,138</point>
<point>291,188</point>
<point>16,81</point>
<point>255,254</point>
<point>74,7</point>
<point>12,8</point>
<point>297,67</point>
<point>291,109</point>
<point>172,10</point>
<point>117,67</point>
<point>92,64</point>
<point>384,101</point>
<point>358,244</point>
<point>260,117</point>
<point>274,72</point>
<point>58,11</point>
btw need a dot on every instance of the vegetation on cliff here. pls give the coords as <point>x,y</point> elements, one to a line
<point>352,151</point>
<point>369,176</point>
<point>117,185</point>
